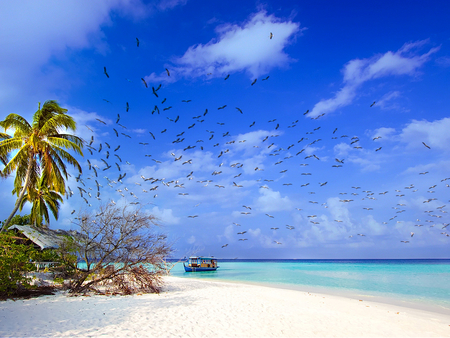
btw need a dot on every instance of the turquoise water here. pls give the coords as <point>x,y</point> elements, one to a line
<point>424,283</point>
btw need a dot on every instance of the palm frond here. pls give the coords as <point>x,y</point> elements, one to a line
<point>16,122</point>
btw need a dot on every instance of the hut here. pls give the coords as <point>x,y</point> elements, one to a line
<point>42,239</point>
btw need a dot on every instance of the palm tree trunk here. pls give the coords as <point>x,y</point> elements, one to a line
<point>19,199</point>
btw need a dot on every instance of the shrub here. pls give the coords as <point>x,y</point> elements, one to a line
<point>15,262</point>
<point>121,251</point>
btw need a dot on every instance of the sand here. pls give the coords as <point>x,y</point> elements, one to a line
<point>197,308</point>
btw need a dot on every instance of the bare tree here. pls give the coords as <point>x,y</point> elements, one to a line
<point>121,250</point>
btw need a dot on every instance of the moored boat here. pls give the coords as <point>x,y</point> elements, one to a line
<point>195,263</point>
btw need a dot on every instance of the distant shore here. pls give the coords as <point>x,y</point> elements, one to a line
<point>195,308</point>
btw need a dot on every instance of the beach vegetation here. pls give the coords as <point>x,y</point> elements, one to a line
<point>16,260</point>
<point>36,148</point>
<point>19,220</point>
<point>119,251</point>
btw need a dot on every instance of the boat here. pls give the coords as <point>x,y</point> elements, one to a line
<point>195,263</point>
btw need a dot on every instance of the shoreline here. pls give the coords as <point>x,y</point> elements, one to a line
<point>188,307</point>
<point>421,305</point>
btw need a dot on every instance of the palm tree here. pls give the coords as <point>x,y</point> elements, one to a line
<point>4,158</point>
<point>42,199</point>
<point>40,148</point>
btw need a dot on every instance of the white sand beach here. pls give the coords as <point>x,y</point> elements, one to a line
<point>194,308</point>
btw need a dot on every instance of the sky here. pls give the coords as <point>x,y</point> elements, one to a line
<point>250,129</point>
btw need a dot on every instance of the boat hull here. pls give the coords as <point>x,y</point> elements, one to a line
<point>198,269</point>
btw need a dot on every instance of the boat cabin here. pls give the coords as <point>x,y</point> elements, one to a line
<point>200,264</point>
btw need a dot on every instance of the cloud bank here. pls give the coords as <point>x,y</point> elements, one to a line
<point>358,71</point>
<point>246,47</point>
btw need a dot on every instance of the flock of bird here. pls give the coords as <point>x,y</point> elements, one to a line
<point>107,165</point>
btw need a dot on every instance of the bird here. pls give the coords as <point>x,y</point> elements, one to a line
<point>226,77</point>
<point>270,35</point>
<point>373,104</point>
<point>106,73</point>
<point>224,246</point>
<point>167,71</point>
<point>426,145</point>
<point>128,108</point>
<point>254,81</point>
<point>266,78</point>
<point>137,42</point>
<point>145,83</point>
<point>239,110</point>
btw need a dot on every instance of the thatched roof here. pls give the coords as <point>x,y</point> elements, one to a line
<point>45,238</point>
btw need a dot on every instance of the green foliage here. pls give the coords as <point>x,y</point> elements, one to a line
<point>15,262</point>
<point>58,280</point>
<point>66,254</point>
<point>19,220</point>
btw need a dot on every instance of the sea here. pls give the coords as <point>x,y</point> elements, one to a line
<point>416,283</point>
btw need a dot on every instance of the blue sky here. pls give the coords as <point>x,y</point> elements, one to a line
<point>346,168</point>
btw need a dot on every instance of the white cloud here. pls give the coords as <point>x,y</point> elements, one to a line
<point>435,134</point>
<point>383,134</point>
<point>39,31</point>
<point>169,4</point>
<point>358,71</point>
<point>270,201</point>
<point>369,164</point>
<point>386,101</point>
<point>245,47</point>
<point>165,216</point>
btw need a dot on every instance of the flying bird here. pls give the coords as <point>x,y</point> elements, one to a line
<point>137,42</point>
<point>104,71</point>
<point>373,103</point>
<point>145,83</point>
<point>167,71</point>
<point>270,35</point>
<point>226,77</point>
<point>254,81</point>
<point>426,145</point>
